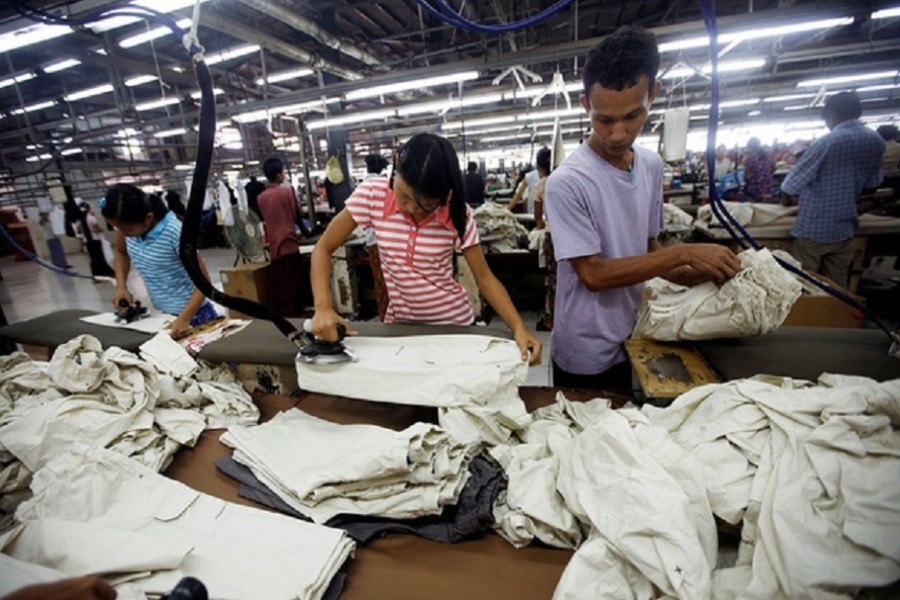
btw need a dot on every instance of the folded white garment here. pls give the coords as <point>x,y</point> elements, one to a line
<point>167,356</point>
<point>323,468</point>
<point>755,301</point>
<point>103,495</point>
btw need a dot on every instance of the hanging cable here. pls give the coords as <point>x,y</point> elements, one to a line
<point>732,226</point>
<point>445,13</point>
<point>205,143</point>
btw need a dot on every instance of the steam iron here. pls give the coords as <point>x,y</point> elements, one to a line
<point>128,313</point>
<point>321,352</point>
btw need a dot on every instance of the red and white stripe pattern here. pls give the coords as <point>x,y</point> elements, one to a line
<point>417,260</point>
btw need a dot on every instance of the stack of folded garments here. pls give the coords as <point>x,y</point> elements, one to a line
<point>499,226</point>
<point>321,469</point>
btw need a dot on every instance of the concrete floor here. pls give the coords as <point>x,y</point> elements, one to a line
<point>28,290</point>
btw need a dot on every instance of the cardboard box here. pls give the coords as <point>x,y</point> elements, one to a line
<point>824,311</point>
<point>249,280</point>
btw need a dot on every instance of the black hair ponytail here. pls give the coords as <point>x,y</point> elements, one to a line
<point>429,165</point>
<point>129,204</point>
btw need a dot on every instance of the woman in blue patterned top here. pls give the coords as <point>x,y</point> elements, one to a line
<point>148,236</point>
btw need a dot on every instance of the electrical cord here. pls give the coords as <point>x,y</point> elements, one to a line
<point>731,225</point>
<point>205,145</point>
<point>445,13</point>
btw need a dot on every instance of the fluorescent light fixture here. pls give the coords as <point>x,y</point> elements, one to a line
<point>39,157</point>
<point>727,104</point>
<point>788,97</point>
<point>442,106</point>
<point>61,65</point>
<point>886,13</point>
<point>156,104</point>
<point>151,34</point>
<point>875,88</point>
<point>285,76</point>
<point>725,66</point>
<point>189,167</point>
<point>170,132</point>
<point>505,138</point>
<point>263,114</point>
<point>848,79</point>
<point>372,115</point>
<point>17,79</point>
<point>754,113</point>
<point>216,92</point>
<point>478,122</point>
<point>140,80</point>
<point>752,34</point>
<point>32,34</point>
<point>796,107</point>
<point>71,151</point>
<point>214,58</point>
<point>233,146</point>
<point>106,88</point>
<point>33,107</point>
<point>392,88</point>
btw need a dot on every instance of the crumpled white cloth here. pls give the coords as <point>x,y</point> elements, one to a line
<point>496,223</point>
<point>167,356</point>
<point>646,500</point>
<point>323,469</point>
<point>96,504</point>
<point>473,379</point>
<point>674,216</point>
<point>755,301</point>
<point>86,396</point>
<point>811,471</point>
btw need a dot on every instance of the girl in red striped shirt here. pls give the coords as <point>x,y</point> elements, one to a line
<point>420,219</point>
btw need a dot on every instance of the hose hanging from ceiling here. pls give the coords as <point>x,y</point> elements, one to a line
<point>444,12</point>
<point>732,226</point>
<point>205,142</point>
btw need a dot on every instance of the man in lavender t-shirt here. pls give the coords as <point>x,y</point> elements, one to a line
<point>604,208</point>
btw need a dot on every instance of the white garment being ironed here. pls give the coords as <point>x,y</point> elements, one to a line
<point>755,301</point>
<point>323,469</point>
<point>103,495</point>
<point>473,379</point>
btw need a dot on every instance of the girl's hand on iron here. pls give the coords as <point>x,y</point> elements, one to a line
<point>324,326</point>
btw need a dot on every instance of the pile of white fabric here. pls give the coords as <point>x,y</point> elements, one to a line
<point>498,227</point>
<point>322,469</point>
<point>86,396</point>
<point>105,514</point>
<point>811,471</point>
<point>473,380</point>
<point>675,218</point>
<point>755,301</point>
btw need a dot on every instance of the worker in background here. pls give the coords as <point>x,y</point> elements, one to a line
<point>604,207</point>
<point>420,218</point>
<point>759,171</point>
<point>88,228</point>
<point>254,188</point>
<point>723,163</point>
<point>828,179</point>
<point>474,185</point>
<point>890,160</point>
<point>525,190</point>
<point>542,160</point>
<point>281,213</point>
<point>149,235</point>
<point>375,165</point>
<point>173,201</point>
<point>54,245</point>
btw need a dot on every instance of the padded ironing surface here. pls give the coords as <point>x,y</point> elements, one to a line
<point>261,342</point>
<point>59,327</point>
<point>804,353</point>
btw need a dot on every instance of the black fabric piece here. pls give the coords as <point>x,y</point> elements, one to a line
<point>469,518</point>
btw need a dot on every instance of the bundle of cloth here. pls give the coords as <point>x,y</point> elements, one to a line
<point>752,214</point>
<point>498,227</point>
<point>755,301</point>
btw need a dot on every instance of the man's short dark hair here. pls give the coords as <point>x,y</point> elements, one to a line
<point>888,132</point>
<point>844,106</point>
<point>542,160</point>
<point>272,167</point>
<point>473,166</point>
<point>376,163</point>
<point>620,59</point>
